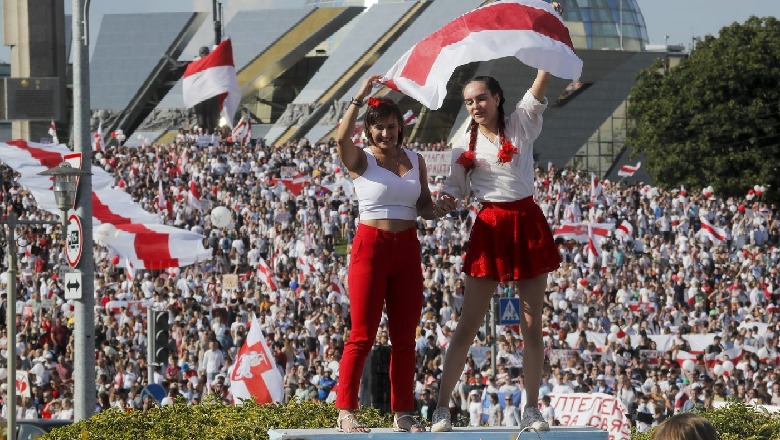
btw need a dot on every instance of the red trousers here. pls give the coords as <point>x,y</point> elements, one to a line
<point>385,271</point>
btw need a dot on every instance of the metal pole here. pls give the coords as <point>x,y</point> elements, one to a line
<point>11,348</point>
<point>84,337</point>
<point>216,14</point>
<point>149,345</point>
<point>494,336</point>
<point>621,24</point>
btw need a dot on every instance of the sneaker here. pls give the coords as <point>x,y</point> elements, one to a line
<point>441,420</point>
<point>532,419</point>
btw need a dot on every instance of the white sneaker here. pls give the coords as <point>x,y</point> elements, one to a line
<point>532,418</point>
<point>441,420</point>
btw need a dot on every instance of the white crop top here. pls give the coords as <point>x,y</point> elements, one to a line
<point>384,195</point>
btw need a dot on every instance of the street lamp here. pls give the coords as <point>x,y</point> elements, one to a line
<point>64,193</point>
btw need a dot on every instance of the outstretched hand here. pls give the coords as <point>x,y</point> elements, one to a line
<point>444,204</point>
<point>368,84</point>
<point>558,7</point>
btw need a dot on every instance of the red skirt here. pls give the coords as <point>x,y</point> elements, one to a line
<point>511,241</point>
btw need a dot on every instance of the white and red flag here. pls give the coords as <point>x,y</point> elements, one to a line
<point>266,275</point>
<point>242,132</point>
<point>625,231</point>
<point>97,138</point>
<point>592,251</point>
<point>337,286</point>
<point>530,30</point>
<point>193,197</point>
<point>161,198</point>
<point>595,188</point>
<point>579,231</point>
<point>715,234</point>
<point>629,170</point>
<point>255,374</point>
<point>213,75</point>
<point>296,184</point>
<point>53,133</point>
<point>410,118</point>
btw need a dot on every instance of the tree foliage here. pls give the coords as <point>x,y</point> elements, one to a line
<point>715,118</point>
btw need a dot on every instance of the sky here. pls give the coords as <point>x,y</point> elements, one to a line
<point>681,20</point>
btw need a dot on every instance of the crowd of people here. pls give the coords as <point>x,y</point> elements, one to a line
<point>665,279</point>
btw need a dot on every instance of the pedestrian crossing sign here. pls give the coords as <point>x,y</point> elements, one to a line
<point>509,311</point>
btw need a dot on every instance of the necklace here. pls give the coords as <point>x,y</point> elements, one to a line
<point>386,163</point>
<point>487,136</point>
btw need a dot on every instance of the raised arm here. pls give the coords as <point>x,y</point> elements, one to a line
<point>353,158</point>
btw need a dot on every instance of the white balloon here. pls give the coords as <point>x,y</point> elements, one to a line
<point>757,187</point>
<point>220,216</point>
<point>562,304</point>
<point>688,365</point>
<point>718,370</point>
<point>105,234</point>
<point>728,366</point>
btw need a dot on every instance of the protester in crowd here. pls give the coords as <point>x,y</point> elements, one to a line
<point>510,239</point>
<point>685,426</point>
<point>391,188</point>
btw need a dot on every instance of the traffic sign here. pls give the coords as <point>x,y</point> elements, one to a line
<point>73,285</point>
<point>74,240</point>
<point>509,311</point>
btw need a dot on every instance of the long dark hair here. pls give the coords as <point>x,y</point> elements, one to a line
<point>381,108</point>
<point>495,88</point>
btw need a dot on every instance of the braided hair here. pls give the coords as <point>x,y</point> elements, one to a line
<point>495,88</point>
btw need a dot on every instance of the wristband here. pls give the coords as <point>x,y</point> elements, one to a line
<point>356,102</point>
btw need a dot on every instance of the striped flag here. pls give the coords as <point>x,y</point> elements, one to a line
<point>530,30</point>
<point>255,373</point>
<point>193,197</point>
<point>409,117</point>
<point>592,251</point>
<point>717,235</point>
<point>213,75</point>
<point>629,170</point>
<point>53,133</point>
<point>97,138</point>
<point>266,275</point>
<point>580,231</point>
<point>624,232</point>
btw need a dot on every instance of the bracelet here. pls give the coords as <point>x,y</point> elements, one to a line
<point>356,102</point>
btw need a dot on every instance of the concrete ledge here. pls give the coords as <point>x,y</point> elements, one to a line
<point>486,433</point>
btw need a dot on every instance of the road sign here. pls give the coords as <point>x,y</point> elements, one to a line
<point>509,311</point>
<point>74,239</point>
<point>73,285</point>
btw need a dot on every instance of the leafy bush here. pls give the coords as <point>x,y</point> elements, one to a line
<point>737,421</point>
<point>210,420</point>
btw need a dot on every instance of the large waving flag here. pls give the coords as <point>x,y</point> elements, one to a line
<point>529,30</point>
<point>266,275</point>
<point>213,75</point>
<point>254,375</point>
<point>579,231</point>
<point>717,235</point>
<point>141,238</point>
<point>625,231</point>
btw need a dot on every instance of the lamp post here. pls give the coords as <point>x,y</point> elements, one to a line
<point>64,193</point>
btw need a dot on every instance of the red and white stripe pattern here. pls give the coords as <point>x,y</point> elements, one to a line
<point>193,197</point>
<point>97,138</point>
<point>53,133</point>
<point>625,231</point>
<point>715,234</point>
<point>266,275</point>
<point>529,30</point>
<point>410,118</point>
<point>141,238</point>
<point>242,132</point>
<point>596,188</point>
<point>213,75</point>
<point>580,231</point>
<point>629,170</point>
<point>592,251</point>
<point>255,373</point>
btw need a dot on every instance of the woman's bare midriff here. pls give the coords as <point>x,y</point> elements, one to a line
<point>390,224</point>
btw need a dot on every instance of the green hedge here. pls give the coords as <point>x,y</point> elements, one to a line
<point>214,421</point>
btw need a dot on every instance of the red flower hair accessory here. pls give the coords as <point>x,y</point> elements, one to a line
<point>506,152</point>
<point>466,159</point>
<point>373,102</point>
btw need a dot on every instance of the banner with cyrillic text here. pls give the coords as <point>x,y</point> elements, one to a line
<point>598,410</point>
<point>437,162</point>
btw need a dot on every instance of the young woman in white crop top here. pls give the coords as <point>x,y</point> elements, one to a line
<point>510,240</point>
<point>385,266</point>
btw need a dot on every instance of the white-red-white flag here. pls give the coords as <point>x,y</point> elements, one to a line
<point>715,234</point>
<point>410,118</point>
<point>625,231</point>
<point>193,197</point>
<point>97,138</point>
<point>129,271</point>
<point>595,188</point>
<point>266,275</point>
<point>53,133</point>
<point>592,251</point>
<point>579,231</point>
<point>296,184</point>
<point>255,374</point>
<point>337,286</point>
<point>629,170</point>
<point>530,30</point>
<point>213,75</point>
<point>242,132</point>
<point>181,162</point>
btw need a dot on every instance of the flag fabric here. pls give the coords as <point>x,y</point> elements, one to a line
<point>715,234</point>
<point>530,30</point>
<point>161,201</point>
<point>296,183</point>
<point>255,373</point>
<point>579,231</point>
<point>213,75</point>
<point>129,270</point>
<point>53,133</point>
<point>625,231</point>
<point>595,188</point>
<point>140,236</point>
<point>193,196</point>
<point>266,275</point>
<point>97,138</point>
<point>592,251</point>
<point>410,118</point>
<point>629,170</point>
<point>181,162</point>
<point>242,132</point>
<point>337,286</point>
